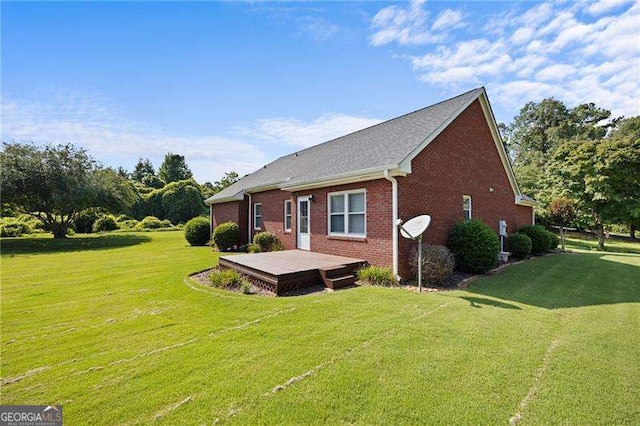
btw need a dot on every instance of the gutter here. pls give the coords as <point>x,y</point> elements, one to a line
<point>249,219</point>
<point>394,209</point>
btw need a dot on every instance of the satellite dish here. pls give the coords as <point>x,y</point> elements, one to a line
<point>414,227</point>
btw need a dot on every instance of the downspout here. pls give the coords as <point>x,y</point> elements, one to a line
<point>249,217</point>
<point>210,222</point>
<point>394,209</point>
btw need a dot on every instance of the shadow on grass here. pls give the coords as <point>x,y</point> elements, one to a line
<point>15,246</point>
<point>566,281</point>
<point>478,302</point>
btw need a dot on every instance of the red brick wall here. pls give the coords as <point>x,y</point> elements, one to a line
<point>235,211</point>
<point>376,248</point>
<point>273,215</point>
<point>462,160</point>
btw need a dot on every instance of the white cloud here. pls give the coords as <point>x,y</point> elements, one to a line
<point>408,25</point>
<point>577,52</point>
<point>302,134</point>
<point>91,122</point>
<point>447,20</point>
<point>318,28</point>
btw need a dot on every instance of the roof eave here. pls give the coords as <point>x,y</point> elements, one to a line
<point>344,178</point>
<point>239,196</point>
<point>521,200</point>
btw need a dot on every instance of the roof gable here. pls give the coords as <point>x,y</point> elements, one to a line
<point>389,145</point>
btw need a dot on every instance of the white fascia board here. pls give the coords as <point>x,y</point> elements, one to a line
<point>345,178</point>
<point>236,197</point>
<point>522,201</point>
<point>504,157</point>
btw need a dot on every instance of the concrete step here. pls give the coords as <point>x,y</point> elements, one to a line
<point>339,282</point>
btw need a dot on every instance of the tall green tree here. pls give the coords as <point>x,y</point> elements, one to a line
<point>174,168</point>
<point>145,174</point>
<point>540,128</point>
<point>227,180</point>
<point>55,183</point>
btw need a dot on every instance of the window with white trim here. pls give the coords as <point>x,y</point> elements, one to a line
<point>347,213</point>
<point>257,216</point>
<point>287,215</point>
<point>466,207</point>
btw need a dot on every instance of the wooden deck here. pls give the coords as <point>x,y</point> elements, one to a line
<point>290,270</point>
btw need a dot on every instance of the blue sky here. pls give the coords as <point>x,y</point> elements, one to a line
<point>235,85</point>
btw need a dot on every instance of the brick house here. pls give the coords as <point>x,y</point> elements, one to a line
<point>343,196</point>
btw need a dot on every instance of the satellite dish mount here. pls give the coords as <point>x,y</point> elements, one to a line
<point>413,230</point>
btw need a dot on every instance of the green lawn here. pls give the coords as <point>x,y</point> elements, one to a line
<point>111,328</point>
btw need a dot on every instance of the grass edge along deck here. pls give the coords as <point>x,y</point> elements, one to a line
<point>290,270</point>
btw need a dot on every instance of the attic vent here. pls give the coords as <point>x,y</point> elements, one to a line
<point>264,167</point>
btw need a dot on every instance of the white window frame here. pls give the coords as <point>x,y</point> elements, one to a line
<point>346,213</point>
<point>289,215</point>
<point>256,216</point>
<point>464,198</point>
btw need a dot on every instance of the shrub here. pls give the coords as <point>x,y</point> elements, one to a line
<point>14,229</point>
<point>226,235</point>
<point>198,231</point>
<point>150,222</point>
<point>474,245</point>
<point>253,248</point>
<point>122,218</point>
<point>377,275</point>
<point>166,223</point>
<point>555,240</point>
<point>226,278</point>
<point>246,287</point>
<point>128,224</point>
<point>437,264</point>
<point>83,223</point>
<point>266,241</point>
<point>540,239</point>
<point>519,245</point>
<point>105,223</point>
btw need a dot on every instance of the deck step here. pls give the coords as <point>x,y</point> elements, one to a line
<point>334,271</point>
<point>339,282</point>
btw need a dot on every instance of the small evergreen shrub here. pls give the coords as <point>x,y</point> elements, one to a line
<point>540,238</point>
<point>519,245</point>
<point>266,241</point>
<point>377,275</point>
<point>253,248</point>
<point>14,229</point>
<point>166,223</point>
<point>105,223</point>
<point>555,240</point>
<point>150,222</point>
<point>226,278</point>
<point>83,223</point>
<point>226,235</point>
<point>437,264</point>
<point>197,231</point>
<point>474,245</point>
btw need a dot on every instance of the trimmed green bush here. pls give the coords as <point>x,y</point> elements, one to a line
<point>266,241</point>
<point>122,218</point>
<point>555,240</point>
<point>198,231</point>
<point>105,223</point>
<point>83,223</point>
<point>166,223</point>
<point>519,245</point>
<point>14,229</point>
<point>474,245</point>
<point>226,235</point>
<point>377,275</point>
<point>226,278</point>
<point>540,238</point>
<point>437,264</point>
<point>128,224</point>
<point>150,222</point>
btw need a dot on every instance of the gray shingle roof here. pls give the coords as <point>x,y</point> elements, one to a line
<point>384,144</point>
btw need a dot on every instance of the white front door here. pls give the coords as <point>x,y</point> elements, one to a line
<point>304,234</point>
